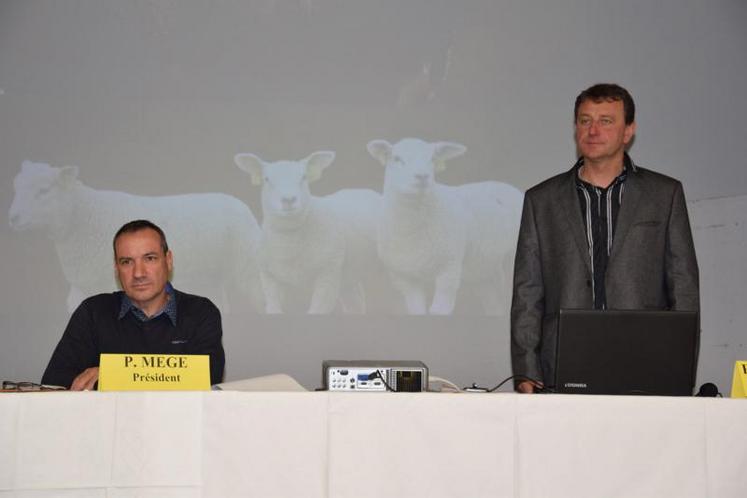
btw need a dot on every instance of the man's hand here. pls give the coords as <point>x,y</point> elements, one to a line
<point>528,386</point>
<point>85,380</point>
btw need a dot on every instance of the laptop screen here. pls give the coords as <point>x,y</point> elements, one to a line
<point>626,352</point>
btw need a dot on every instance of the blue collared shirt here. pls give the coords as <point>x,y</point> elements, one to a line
<point>169,308</point>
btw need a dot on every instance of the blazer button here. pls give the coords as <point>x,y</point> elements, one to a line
<point>588,283</point>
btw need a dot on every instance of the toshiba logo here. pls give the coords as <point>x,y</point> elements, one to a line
<point>580,385</point>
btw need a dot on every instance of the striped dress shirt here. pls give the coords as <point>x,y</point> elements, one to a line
<point>599,209</point>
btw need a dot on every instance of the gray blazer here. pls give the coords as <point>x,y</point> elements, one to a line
<point>652,264</point>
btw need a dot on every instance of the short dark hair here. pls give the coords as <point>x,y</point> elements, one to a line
<point>609,92</point>
<point>136,226</point>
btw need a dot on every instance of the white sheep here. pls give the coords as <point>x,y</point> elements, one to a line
<point>313,249</point>
<point>214,237</point>
<point>434,237</point>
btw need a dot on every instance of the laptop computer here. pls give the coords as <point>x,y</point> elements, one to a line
<point>626,352</point>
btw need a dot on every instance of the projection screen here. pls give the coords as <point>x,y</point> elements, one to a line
<point>343,179</point>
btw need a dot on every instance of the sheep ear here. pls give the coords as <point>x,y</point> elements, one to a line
<point>316,163</point>
<point>251,164</point>
<point>445,151</point>
<point>381,150</point>
<point>68,174</point>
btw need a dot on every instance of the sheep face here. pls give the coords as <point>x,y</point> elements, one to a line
<point>411,164</point>
<point>285,189</point>
<point>40,195</point>
<point>285,184</point>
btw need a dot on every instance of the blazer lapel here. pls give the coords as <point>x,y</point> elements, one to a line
<point>631,198</point>
<point>571,210</point>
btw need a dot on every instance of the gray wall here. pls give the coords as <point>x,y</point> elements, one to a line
<point>154,98</point>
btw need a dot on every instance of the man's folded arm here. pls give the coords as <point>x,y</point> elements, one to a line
<point>75,352</point>
<point>207,340</point>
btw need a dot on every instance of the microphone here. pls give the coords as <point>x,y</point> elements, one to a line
<point>708,390</point>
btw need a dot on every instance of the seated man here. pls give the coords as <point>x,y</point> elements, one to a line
<point>150,316</point>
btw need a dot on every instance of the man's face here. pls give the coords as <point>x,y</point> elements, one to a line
<point>143,269</point>
<point>601,132</point>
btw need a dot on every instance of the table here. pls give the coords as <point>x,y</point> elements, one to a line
<point>273,444</point>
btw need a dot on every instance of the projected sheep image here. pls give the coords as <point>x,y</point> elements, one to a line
<point>214,236</point>
<point>435,238</point>
<point>314,250</point>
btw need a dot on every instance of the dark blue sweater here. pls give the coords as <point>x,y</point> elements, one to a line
<point>94,329</point>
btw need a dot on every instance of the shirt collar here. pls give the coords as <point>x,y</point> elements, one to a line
<point>628,166</point>
<point>169,309</point>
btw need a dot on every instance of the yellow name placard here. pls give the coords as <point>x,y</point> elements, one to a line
<point>154,372</point>
<point>739,381</point>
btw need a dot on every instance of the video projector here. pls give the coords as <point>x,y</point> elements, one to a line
<point>374,376</point>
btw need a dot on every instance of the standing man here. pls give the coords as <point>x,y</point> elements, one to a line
<point>607,234</point>
<point>147,316</point>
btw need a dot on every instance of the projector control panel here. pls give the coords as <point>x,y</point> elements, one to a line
<point>355,379</point>
<point>374,376</point>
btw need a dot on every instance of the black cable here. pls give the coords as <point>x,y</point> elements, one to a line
<point>522,377</point>
<point>378,375</point>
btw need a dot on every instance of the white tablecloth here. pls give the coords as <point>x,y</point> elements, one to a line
<point>223,444</point>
